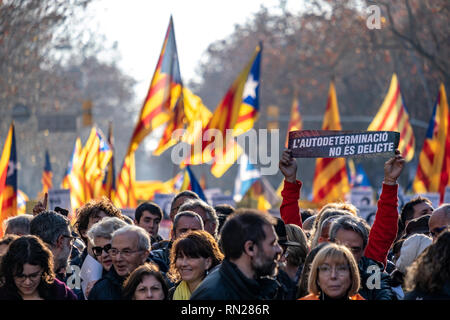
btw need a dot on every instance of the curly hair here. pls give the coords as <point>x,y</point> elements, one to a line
<point>194,244</point>
<point>32,250</point>
<point>92,208</point>
<point>431,270</point>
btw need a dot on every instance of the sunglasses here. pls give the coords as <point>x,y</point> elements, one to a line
<point>98,250</point>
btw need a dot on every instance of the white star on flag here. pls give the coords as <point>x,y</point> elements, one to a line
<point>250,87</point>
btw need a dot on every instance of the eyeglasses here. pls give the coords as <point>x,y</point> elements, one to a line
<point>33,276</point>
<point>126,253</point>
<point>436,231</point>
<point>341,269</point>
<point>98,250</point>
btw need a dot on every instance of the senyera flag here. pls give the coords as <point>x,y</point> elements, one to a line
<point>159,105</point>
<point>434,161</point>
<point>393,116</point>
<point>8,178</point>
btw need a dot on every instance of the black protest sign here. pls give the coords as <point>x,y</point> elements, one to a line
<point>338,144</point>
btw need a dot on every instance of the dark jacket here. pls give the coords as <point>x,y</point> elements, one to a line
<point>384,291</point>
<point>416,294</point>
<point>229,283</point>
<point>56,291</point>
<point>161,256</point>
<point>108,288</point>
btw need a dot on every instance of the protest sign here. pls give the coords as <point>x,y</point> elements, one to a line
<point>362,196</point>
<point>164,201</point>
<point>434,197</point>
<point>59,198</point>
<point>367,213</point>
<point>335,144</point>
<point>128,212</point>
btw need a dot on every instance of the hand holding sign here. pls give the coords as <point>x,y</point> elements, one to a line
<point>288,166</point>
<point>41,206</point>
<point>393,168</point>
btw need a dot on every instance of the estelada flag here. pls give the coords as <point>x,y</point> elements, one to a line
<point>295,122</point>
<point>393,116</point>
<point>8,178</point>
<point>330,178</point>
<point>47,174</point>
<point>434,161</point>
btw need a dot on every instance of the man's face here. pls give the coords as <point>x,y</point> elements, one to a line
<point>265,261</point>
<point>125,253</point>
<point>351,240</point>
<point>150,222</point>
<point>422,209</point>
<point>438,222</point>
<point>178,203</point>
<point>186,224</point>
<point>61,254</point>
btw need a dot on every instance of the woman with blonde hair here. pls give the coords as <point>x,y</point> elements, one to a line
<point>334,275</point>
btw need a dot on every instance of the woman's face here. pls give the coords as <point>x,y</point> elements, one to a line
<point>28,281</point>
<point>149,289</point>
<point>104,258</point>
<point>334,278</point>
<point>192,269</point>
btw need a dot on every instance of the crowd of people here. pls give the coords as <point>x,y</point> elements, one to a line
<point>223,253</point>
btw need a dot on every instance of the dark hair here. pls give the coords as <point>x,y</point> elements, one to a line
<point>49,226</point>
<point>242,226</point>
<point>27,249</point>
<point>187,194</point>
<point>133,280</point>
<point>408,209</point>
<point>7,239</point>
<point>151,207</point>
<point>91,208</point>
<point>223,212</point>
<point>306,213</point>
<point>194,244</point>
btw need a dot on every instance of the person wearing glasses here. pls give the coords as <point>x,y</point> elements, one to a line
<point>193,256</point>
<point>334,275</point>
<point>54,229</point>
<point>439,220</point>
<point>130,248</point>
<point>27,273</point>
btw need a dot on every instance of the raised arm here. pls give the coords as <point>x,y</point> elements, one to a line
<point>384,228</point>
<point>289,210</point>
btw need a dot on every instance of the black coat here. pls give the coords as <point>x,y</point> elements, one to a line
<point>229,283</point>
<point>108,288</point>
<point>383,291</point>
<point>444,294</point>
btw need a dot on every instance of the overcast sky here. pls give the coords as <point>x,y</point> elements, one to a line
<point>139,27</point>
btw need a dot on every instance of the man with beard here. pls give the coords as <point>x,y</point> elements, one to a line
<point>54,229</point>
<point>251,249</point>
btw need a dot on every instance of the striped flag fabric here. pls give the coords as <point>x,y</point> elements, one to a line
<point>237,110</point>
<point>74,177</point>
<point>245,178</point>
<point>295,122</point>
<point>8,178</point>
<point>330,177</point>
<point>434,161</point>
<point>162,97</point>
<point>393,116</point>
<point>47,175</point>
<point>22,199</point>
<point>357,175</point>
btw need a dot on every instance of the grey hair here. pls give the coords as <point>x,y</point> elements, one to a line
<point>191,205</point>
<point>181,214</point>
<point>351,223</point>
<point>144,238</point>
<point>49,226</point>
<point>331,212</point>
<point>18,224</point>
<point>105,228</point>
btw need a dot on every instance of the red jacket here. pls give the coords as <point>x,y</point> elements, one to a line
<point>384,228</point>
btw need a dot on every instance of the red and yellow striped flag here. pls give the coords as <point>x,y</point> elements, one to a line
<point>330,178</point>
<point>164,93</point>
<point>47,175</point>
<point>8,178</point>
<point>109,181</point>
<point>74,178</point>
<point>295,123</point>
<point>393,116</point>
<point>434,161</point>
